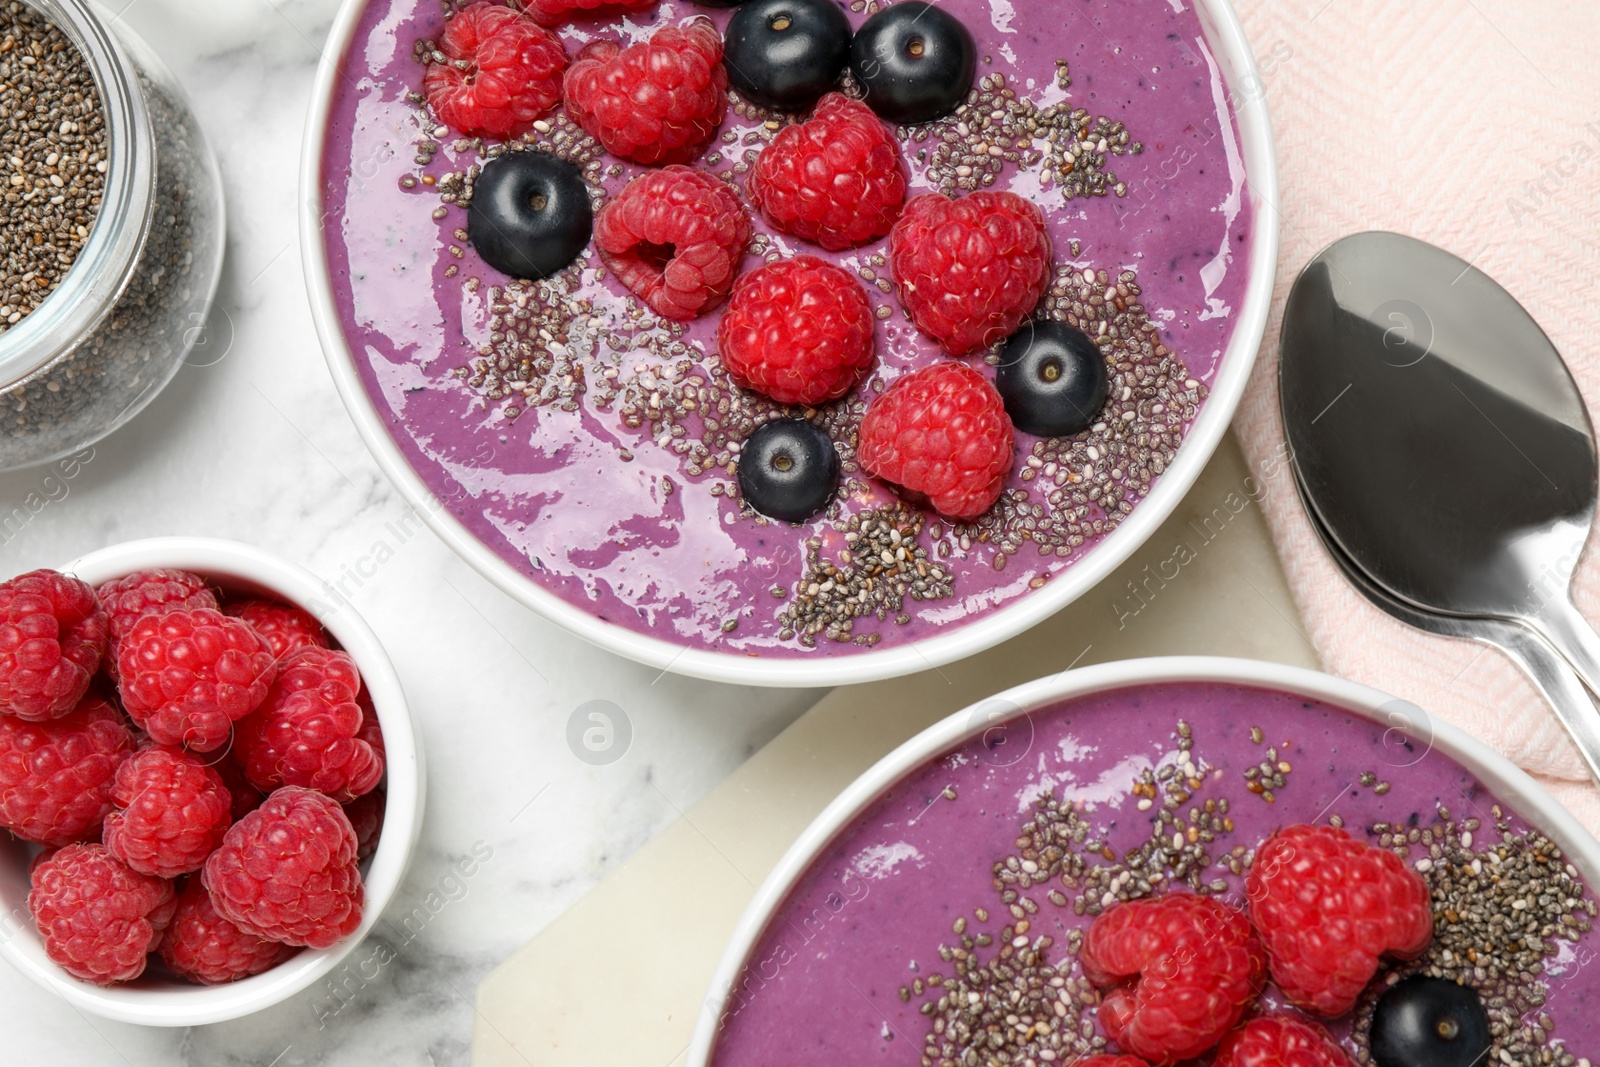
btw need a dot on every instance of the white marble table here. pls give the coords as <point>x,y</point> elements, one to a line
<point>257,448</point>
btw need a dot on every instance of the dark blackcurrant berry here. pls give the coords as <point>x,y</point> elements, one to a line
<point>530,215</point>
<point>788,469</point>
<point>915,61</point>
<point>1430,1022</point>
<point>784,54</point>
<point>1052,378</point>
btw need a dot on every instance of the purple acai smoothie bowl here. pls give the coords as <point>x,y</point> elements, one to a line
<point>593,448</point>
<point>945,921</point>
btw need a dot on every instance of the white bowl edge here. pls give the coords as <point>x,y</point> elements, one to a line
<point>185,1005</point>
<point>1233,53</point>
<point>1507,781</point>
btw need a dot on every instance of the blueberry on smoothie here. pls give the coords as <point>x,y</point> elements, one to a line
<point>784,54</point>
<point>1052,378</point>
<point>788,469</point>
<point>1430,1022</point>
<point>530,215</point>
<point>915,61</point>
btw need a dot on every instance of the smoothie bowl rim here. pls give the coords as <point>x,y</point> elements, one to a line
<point>1509,783</point>
<point>174,1002</point>
<point>1226,39</point>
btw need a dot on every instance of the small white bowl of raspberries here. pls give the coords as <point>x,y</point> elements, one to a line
<point>209,776</point>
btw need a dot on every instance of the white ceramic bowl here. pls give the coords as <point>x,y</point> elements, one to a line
<point>1239,70</point>
<point>167,1002</point>
<point>1508,782</point>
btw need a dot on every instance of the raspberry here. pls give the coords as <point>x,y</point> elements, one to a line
<point>171,812</point>
<point>325,669</point>
<point>942,435</point>
<point>970,270</point>
<point>366,811</point>
<point>149,593</point>
<point>371,729</point>
<point>836,179</point>
<point>1178,972</point>
<point>52,638</point>
<point>309,730</point>
<point>98,918</point>
<point>512,74</point>
<point>1110,1061</point>
<point>798,330</point>
<point>287,871</point>
<point>1328,908</point>
<point>674,237</point>
<point>555,12</point>
<point>654,102</point>
<point>203,947</point>
<point>187,676</point>
<point>285,627</point>
<point>1280,1041</point>
<point>56,776</point>
<point>366,817</point>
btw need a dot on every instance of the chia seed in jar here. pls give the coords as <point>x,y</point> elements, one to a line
<point>130,284</point>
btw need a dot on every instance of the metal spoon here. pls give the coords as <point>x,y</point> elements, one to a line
<point>1550,674</point>
<point>1440,438</point>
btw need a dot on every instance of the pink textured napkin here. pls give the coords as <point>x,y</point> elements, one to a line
<point>1473,124</point>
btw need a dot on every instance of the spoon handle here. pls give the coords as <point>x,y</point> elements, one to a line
<point>1556,681</point>
<point>1562,625</point>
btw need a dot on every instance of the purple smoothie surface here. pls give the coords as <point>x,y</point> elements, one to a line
<point>823,984</point>
<point>608,517</point>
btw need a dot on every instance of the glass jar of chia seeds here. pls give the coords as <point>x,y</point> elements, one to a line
<point>98,309</point>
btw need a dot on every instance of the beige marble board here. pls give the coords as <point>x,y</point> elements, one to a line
<point>620,977</point>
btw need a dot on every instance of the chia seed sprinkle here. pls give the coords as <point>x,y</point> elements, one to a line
<point>881,564</point>
<point>541,345</point>
<point>969,148</point>
<point>53,151</point>
<point>1500,914</point>
<point>1270,774</point>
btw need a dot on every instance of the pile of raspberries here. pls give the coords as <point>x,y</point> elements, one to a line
<point>201,771</point>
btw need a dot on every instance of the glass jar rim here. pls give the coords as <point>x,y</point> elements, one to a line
<point>105,264</point>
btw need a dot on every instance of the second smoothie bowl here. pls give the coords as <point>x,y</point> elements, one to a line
<point>1160,861</point>
<point>736,341</point>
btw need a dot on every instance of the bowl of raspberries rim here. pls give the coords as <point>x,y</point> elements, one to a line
<point>209,775</point>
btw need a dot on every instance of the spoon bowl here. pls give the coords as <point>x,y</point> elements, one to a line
<point>1439,439</point>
